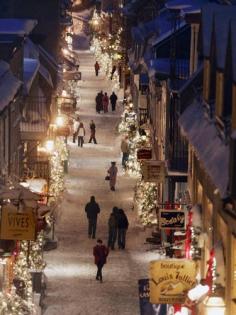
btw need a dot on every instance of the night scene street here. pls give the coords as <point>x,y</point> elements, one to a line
<point>118,157</point>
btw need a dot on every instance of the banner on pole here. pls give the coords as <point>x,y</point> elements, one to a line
<point>146,308</point>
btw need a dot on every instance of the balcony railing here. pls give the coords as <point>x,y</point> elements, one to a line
<point>36,168</point>
<point>34,120</point>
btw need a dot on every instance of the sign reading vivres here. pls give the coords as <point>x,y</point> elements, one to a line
<point>171,219</point>
<point>17,225</point>
<point>170,280</point>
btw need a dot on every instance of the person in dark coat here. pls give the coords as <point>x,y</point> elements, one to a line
<point>100,253</point>
<point>112,228</point>
<point>92,132</point>
<point>96,68</point>
<point>97,99</point>
<point>113,100</point>
<point>123,225</point>
<point>99,104</point>
<point>92,209</point>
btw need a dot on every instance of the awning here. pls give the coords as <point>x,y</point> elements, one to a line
<point>46,75</point>
<point>208,146</point>
<point>9,85</point>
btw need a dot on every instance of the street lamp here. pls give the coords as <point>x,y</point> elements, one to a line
<point>60,121</point>
<point>49,145</point>
<point>214,305</point>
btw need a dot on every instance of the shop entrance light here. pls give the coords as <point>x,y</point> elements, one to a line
<point>214,305</point>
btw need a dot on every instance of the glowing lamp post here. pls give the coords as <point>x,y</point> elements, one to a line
<point>214,305</point>
<point>49,145</point>
<point>60,121</point>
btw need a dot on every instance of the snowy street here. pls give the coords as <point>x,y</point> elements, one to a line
<point>71,285</point>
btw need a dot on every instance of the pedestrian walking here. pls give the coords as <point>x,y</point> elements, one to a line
<point>100,253</point>
<point>98,101</point>
<point>75,128</point>
<point>92,132</point>
<point>81,134</point>
<point>113,71</point>
<point>92,209</point>
<point>125,150</point>
<point>123,225</point>
<point>113,100</point>
<point>112,228</point>
<point>105,102</point>
<point>97,68</point>
<point>113,174</point>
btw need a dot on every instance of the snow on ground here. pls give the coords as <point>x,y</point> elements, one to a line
<point>71,285</point>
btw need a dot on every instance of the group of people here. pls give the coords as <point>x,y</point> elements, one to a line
<point>79,132</point>
<point>117,227</point>
<point>102,101</point>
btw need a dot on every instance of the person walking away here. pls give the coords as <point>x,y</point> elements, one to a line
<point>81,134</point>
<point>113,71</point>
<point>100,104</point>
<point>105,102</point>
<point>125,150</point>
<point>112,228</point>
<point>97,100</point>
<point>92,209</point>
<point>75,128</point>
<point>92,132</point>
<point>113,100</point>
<point>100,253</point>
<point>123,225</point>
<point>97,68</point>
<point>113,174</point>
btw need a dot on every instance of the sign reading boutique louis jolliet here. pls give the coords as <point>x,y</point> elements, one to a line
<point>17,225</point>
<point>170,280</point>
<point>172,219</point>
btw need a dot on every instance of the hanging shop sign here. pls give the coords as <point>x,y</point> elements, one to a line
<point>172,219</point>
<point>63,131</point>
<point>153,171</point>
<point>17,225</point>
<point>146,308</point>
<point>170,280</point>
<point>144,154</point>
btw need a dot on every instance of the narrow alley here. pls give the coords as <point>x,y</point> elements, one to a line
<point>72,288</point>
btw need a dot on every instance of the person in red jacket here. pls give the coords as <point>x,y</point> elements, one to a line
<point>100,253</point>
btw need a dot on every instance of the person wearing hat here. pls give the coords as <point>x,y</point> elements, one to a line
<point>100,253</point>
<point>113,174</point>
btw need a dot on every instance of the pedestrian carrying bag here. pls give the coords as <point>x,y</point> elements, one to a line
<point>107,177</point>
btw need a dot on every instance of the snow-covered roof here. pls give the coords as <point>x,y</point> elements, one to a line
<point>9,85</point>
<point>164,35</point>
<point>208,146</point>
<point>216,17</point>
<point>188,6</point>
<point>31,67</point>
<point>45,74</point>
<point>30,49</point>
<point>20,27</point>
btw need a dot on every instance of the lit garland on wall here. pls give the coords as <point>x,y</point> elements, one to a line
<point>146,202</point>
<point>59,155</point>
<point>13,304</point>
